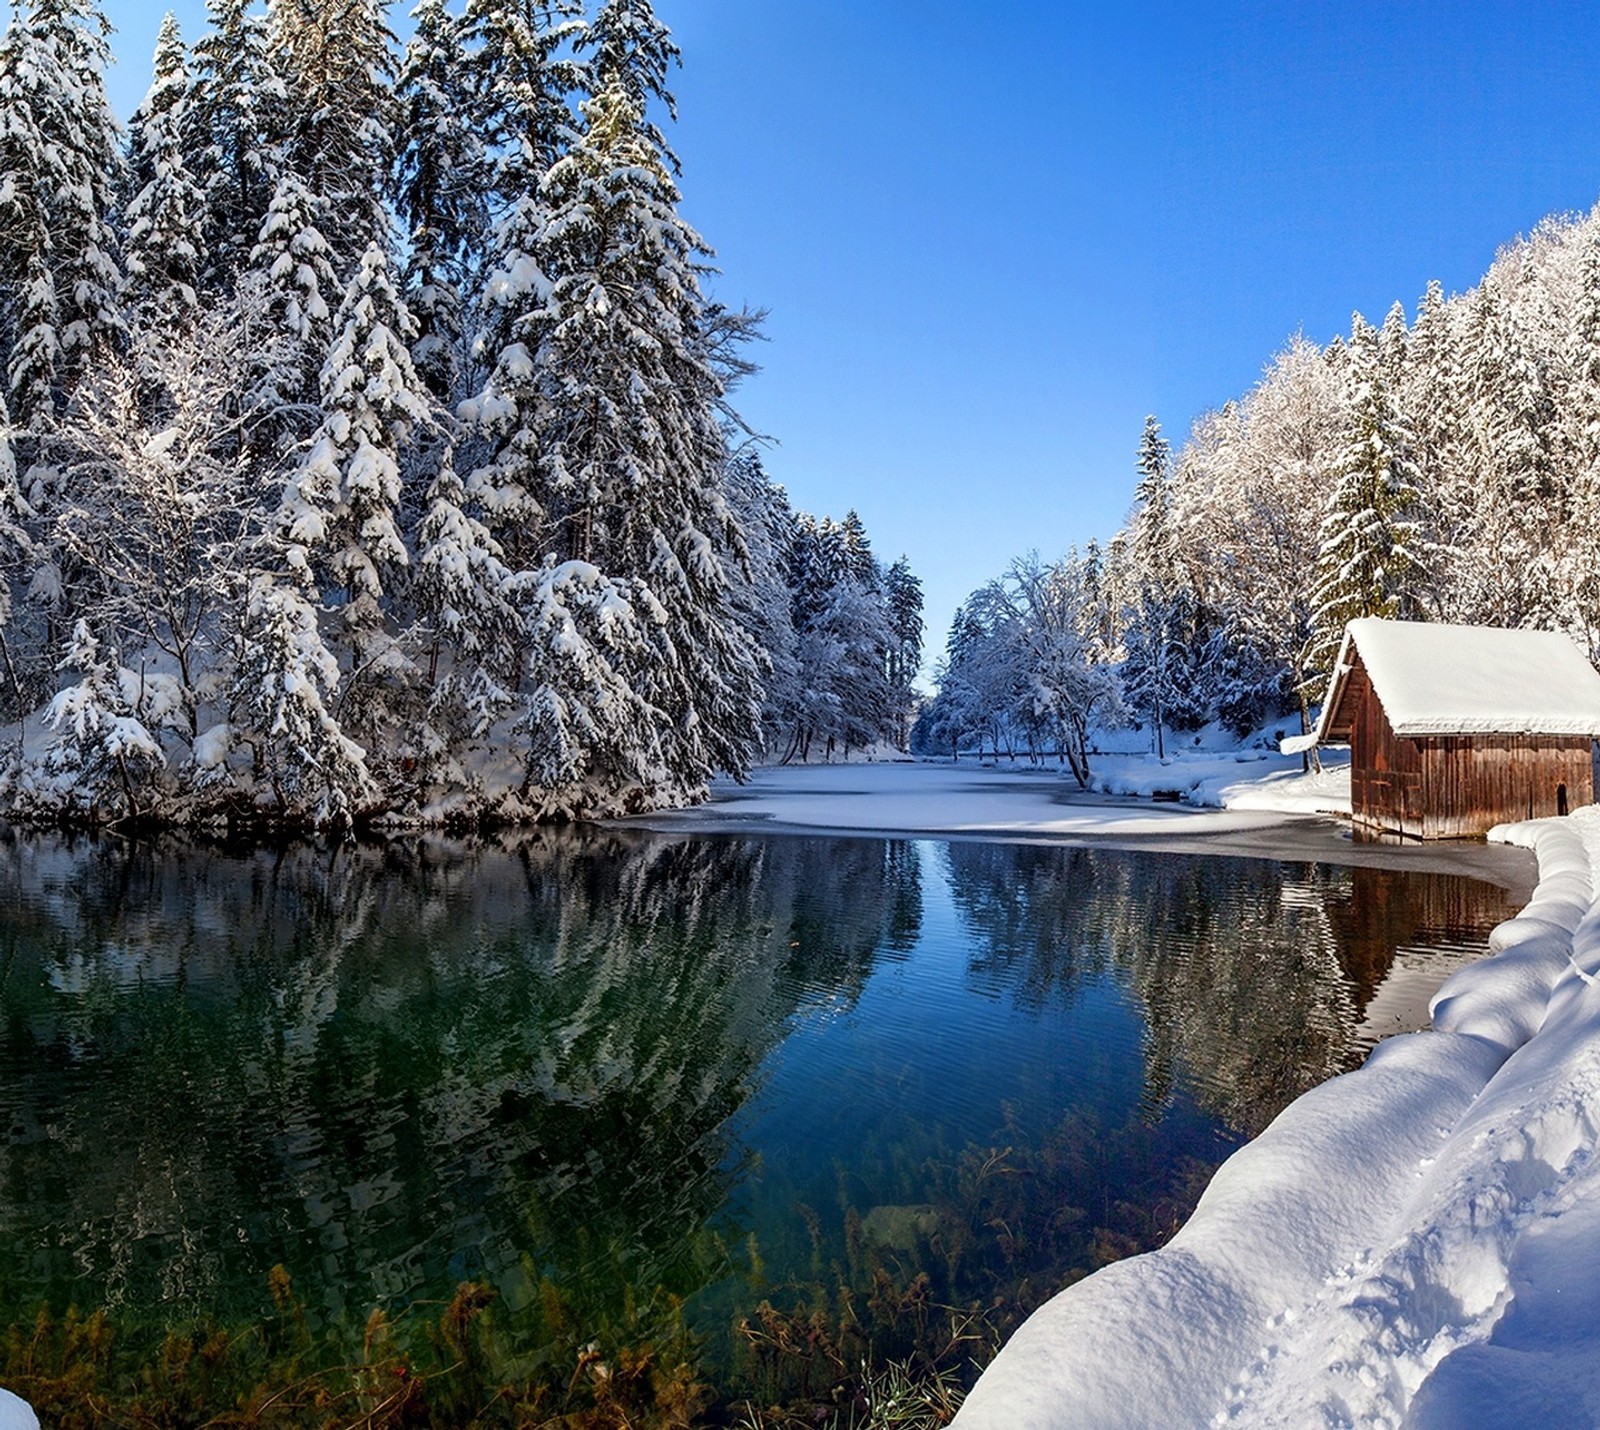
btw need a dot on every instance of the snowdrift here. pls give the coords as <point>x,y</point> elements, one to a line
<point>1410,1244</point>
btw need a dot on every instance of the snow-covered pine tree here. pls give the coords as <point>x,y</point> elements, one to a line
<point>1153,685</point>
<point>843,639</point>
<point>521,86</point>
<point>168,208</point>
<point>283,678</point>
<point>1520,493</point>
<point>59,162</point>
<point>340,516</point>
<point>607,385</point>
<point>630,47</point>
<point>1581,444</point>
<point>293,267</point>
<point>84,167</point>
<point>441,192</point>
<point>1151,548</point>
<point>337,60</point>
<point>902,595</point>
<point>29,321</point>
<point>956,711</point>
<point>592,742</point>
<point>1434,399</point>
<point>760,587</point>
<point>1393,344</point>
<point>15,550</point>
<point>1367,558</point>
<point>460,592</point>
<point>236,116</point>
<point>33,364</point>
<point>103,754</point>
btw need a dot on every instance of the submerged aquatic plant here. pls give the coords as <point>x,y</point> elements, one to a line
<point>898,1396</point>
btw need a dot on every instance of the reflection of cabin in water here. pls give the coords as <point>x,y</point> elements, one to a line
<point>1454,729</point>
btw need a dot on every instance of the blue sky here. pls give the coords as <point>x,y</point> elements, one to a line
<point>993,236</point>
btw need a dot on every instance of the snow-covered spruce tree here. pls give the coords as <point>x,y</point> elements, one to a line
<point>292,272</point>
<point>30,321</point>
<point>59,162</point>
<point>235,120</point>
<point>84,168</point>
<point>340,515</point>
<point>337,61</point>
<point>957,710</point>
<point>604,384</point>
<point>760,588</point>
<point>1160,628</point>
<point>15,559</point>
<point>168,207</point>
<point>1521,493</point>
<point>1434,399</point>
<point>1581,442</point>
<point>441,180</point>
<point>629,47</point>
<point>283,678</point>
<point>1366,561</point>
<point>592,743</point>
<point>520,85</point>
<point>843,640</point>
<point>103,757</point>
<point>903,598</point>
<point>467,627</point>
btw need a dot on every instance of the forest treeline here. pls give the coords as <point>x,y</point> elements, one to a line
<point>366,444</point>
<point>1445,468</point>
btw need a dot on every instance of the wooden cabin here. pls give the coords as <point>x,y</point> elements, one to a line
<point>1455,729</point>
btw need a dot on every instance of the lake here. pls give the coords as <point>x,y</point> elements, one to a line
<point>789,1099</point>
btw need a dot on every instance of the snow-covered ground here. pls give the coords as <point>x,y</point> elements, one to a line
<point>16,1414</point>
<point>965,798</point>
<point>1271,816</point>
<point>1411,1244</point>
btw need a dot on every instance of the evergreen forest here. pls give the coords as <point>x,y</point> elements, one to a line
<point>1441,468</point>
<point>367,448</point>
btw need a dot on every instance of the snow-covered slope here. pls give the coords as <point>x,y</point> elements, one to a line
<point>1411,1244</point>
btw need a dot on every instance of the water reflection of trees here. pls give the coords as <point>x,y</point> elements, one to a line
<point>1252,975</point>
<point>394,1067</point>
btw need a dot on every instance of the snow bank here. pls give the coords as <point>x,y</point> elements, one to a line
<point>1410,1244</point>
<point>1242,780</point>
<point>16,1414</point>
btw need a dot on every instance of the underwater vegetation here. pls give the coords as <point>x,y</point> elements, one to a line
<point>899,1307</point>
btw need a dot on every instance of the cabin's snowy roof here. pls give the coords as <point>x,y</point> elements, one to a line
<point>1436,679</point>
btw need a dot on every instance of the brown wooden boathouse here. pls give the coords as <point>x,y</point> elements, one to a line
<point>1454,729</point>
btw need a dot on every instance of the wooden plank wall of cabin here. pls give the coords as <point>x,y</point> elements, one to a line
<point>1386,777</point>
<point>1472,783</point>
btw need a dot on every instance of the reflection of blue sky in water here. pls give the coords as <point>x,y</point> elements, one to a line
<point>609,1059</point>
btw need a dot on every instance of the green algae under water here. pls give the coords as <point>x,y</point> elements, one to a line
<point>803,1098</point>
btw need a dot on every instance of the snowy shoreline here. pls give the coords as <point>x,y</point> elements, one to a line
<point>1409,1244</point>
<point>970,801</point>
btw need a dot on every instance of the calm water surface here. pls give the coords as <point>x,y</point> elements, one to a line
<point>728,1069</point>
